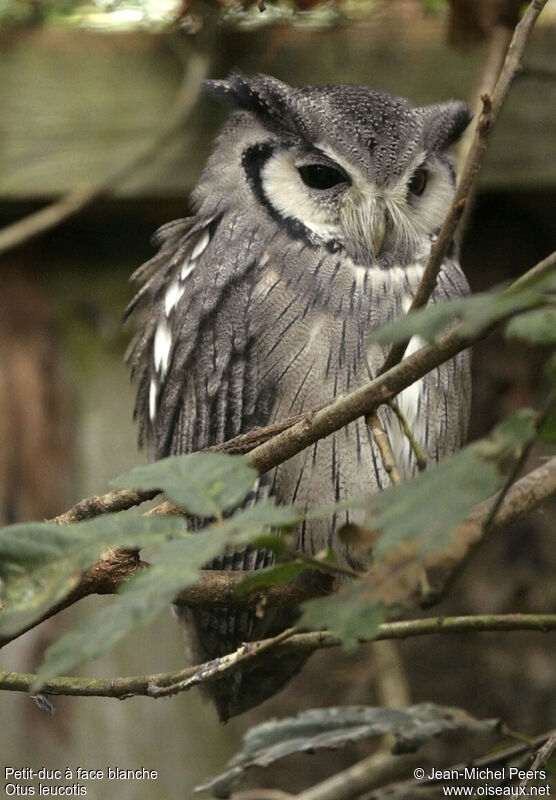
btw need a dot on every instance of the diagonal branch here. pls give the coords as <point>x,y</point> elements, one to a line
<point>218,588</point>
<point>421,788</point>
<point>474,162</point>
<point>284,643</point>
<point>274,444</point>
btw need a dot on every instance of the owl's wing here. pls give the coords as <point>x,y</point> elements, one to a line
<point>450,395</point>
<point>192,359</point>
<point>194,364</point>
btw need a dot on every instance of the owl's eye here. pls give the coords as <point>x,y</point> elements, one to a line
<point>320,176</point>
<point>418,182</point>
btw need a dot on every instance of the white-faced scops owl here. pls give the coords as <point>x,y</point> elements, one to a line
<point>312,224</point>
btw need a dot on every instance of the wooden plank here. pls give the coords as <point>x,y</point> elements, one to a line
<point>74,104</point>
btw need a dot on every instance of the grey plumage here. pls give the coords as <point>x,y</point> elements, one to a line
<point>313,221</point>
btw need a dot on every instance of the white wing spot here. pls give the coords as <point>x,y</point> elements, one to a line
<point>187,269</point>
<point>162,345</point>
<point>200,246</point>
<point>153,391</point>
<point>415,343</point>
<point>173,296</point>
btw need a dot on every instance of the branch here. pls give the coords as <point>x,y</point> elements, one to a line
<point>122,499</point>
<point>472,167</point>
<point>384,388</point>
<point>518,466</point>
<point>385,449</point>
<point>420,458</point>
<point>413,788</point>
<point>77,199</point>
<point>153,685</point>
<point>89,507</point>
<point>544,752</point>
<point>273,444</point>
<point>361,776</point>
<point>214,588</point>
<point>519,499</point>
<point>218,587</point>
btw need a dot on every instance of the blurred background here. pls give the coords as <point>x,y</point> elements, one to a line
<point>92,106</point>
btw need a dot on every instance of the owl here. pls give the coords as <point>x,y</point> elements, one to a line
<point>312,223</point>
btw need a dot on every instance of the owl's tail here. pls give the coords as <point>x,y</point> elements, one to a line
<point>215,632</point>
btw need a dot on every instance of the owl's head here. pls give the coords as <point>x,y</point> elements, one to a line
<point>343,165</point>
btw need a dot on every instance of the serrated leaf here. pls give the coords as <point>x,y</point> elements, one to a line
<point>42,562</point>
<point>537,326</point>
<point>413,526</point>
<point>278,575</point>
<point>427,322</point>
<point>146,595</point>
<point>352,613</point>
<point>263,515</point>
<point>203,484</point>
<point>140,600</point>
<point>337,726</point>
<point>426,510</point>
<point>474,313</point>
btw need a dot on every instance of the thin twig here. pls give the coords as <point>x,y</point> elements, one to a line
<point>273,444</point>
<point>323,566</point>
<point>222,666</point>
<point>410,788</point>
<point>497,48</point>
<point>496,51</point>
<point>218,588</point>
<point>77,199</point>
<point>89,507</point>
<point>301,642</point>
<point>473,165</point>
<point>420,457</point>
<point>542,756</point>
<point>384,447</point>
<point>349,783</point>
<point>519,464</point>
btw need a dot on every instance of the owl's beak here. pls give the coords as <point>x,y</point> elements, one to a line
<point>378,233</point>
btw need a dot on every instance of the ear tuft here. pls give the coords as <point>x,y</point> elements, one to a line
<point>261,94</point>
<point>445,123</point>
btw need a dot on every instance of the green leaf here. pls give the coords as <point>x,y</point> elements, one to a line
<point>337,726</point>
<point>537,326</point>
<point>278,575</point>
<point>426,510</point>
<point>427,322</point>
<point>263,515</point>
<point>415,525</point>
<point>147,594</point>
<point>474,313</point>
<point>140,600</point>
<point>40,563</point>
<point>203,484</point>
<point>352,613</point>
